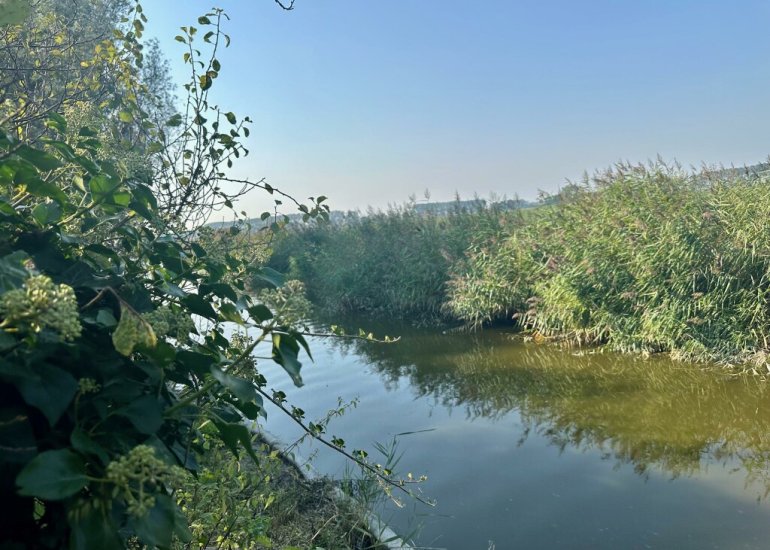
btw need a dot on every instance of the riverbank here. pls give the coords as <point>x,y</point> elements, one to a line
<point>274,503</point>
<point>640,259</point>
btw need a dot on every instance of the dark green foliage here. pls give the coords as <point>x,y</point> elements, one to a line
<point>85,375</point>
<point>114,351</point>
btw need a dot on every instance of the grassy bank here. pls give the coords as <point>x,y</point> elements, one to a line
<point>639,258</point>
<point>237,503</point>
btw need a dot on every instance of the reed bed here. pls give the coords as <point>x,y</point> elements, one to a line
<point>641,258</point>
<point>394,264</point>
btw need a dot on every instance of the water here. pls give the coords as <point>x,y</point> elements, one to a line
<point>530,446</point>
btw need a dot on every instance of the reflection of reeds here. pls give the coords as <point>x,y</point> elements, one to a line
<point>651,413</point>
<point>642,259</point>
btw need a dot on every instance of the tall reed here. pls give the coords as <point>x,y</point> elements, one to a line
<point>394,263</point>
<point>641,258</point>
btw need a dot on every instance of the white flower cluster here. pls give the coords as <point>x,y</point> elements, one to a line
<point>175,323</point>
<point>138,475</point>
<point>88,385</point>
<point>41,304</point>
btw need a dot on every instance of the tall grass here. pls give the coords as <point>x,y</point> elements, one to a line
<point>641,258</point>
<point>394,263</point>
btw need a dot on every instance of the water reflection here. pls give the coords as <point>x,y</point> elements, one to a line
<point>653,414</point>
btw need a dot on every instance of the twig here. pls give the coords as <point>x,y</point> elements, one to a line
<point>397,484</point>
<point>287,7</point>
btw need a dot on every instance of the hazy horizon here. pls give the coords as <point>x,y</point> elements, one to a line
<point>369,103</point>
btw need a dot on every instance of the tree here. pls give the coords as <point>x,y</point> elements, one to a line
<point>116,365</point>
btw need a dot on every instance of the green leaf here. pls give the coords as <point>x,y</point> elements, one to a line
<point>46,213</point>
<point>242,389</point>
<point>88,164</point>
<point>144,194</point>
<point>285,352</point>
<point>81,442</point>
<point>173,290</point>
<point>199,363</point>
<point>203,20</point>
<point>102,187</point>
<point>43,386</point>
<point>157,526</point>
<point>12,270</point>
<point>53,475</point>
<point>57,122</point>
<point>125,116</point>
<point>93,527</point>
<point>218,289</point>
<point>175,120</point>
<point>40,159</point>
<point>41,188</point>
<point>51,390</point>
<point>121,198</point>
<point>144,413</point>
<point>233,434</point>
<point>63,148</point>
<point>6,208</point>
<point>271,276</point>
<point>302,342</point>
<point>252,411</point>
<point>205,81</point>
<point>199,306</point>
<point>231,118</point>
<point>198,250</point>
<point>132,331</point>
<point>106,319</point>
<point>260,312</point>
<point>228,312</point>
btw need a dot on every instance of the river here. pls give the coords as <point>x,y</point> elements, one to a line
<point>532,446</point>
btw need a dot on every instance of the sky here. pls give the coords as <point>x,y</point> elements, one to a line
<point>371,101</point>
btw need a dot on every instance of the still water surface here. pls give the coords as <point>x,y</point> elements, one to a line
<point>535,447</point>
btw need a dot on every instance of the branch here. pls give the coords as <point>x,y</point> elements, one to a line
<point>399,484</point>
<point>287,7</point>
<point>262,184</point>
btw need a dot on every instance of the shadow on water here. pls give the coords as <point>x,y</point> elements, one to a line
<point>651,413</point>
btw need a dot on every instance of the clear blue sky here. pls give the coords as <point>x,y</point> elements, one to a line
<point>370,101</point>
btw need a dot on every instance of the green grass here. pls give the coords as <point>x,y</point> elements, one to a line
<point>235,503</point>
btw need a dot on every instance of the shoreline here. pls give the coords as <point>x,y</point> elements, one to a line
<point>384,536</point>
